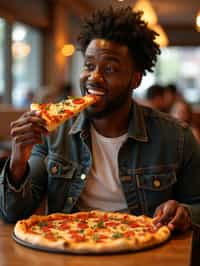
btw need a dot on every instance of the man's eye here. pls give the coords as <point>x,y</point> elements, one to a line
<point>89,66</point>
<point>110,69</point>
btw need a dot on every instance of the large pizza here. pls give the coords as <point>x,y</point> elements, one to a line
<point>91,232</point>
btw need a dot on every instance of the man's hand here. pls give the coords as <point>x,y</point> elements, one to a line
<point>25,133</point>
<point>174,215</point>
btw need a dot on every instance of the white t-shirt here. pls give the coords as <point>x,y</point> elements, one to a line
<point>103,188</point>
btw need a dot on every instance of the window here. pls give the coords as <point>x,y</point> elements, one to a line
<point>26,67</point>
<point>178,65</point>
<point>2,65</point>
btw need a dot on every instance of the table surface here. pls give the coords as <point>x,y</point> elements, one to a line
<point>175,252</point>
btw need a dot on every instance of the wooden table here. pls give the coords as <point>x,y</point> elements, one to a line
<point>176,252</point>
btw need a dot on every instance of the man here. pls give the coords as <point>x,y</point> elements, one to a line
<point>116,156</point>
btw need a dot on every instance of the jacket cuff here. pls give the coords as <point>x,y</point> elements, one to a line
<point>6,180</point>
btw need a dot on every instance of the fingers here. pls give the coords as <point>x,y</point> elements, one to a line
<point>28,122</point>
<point>172,214</point>
<point>27,138</point>
<point>25,133</point>
<point>168,211</point>
<point>28,117</point>
<point>26,128</point>
<point>165,212</point>
<point>157,215</point>
<point>158,212</point>
<point>181,220</point>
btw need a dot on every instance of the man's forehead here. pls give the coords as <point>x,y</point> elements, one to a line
<point>107,47</point>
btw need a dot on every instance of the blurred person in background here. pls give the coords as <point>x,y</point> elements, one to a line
<point>160,97</point>
<point>171,95</point>
<point>182,111</point>
<point>155,97</point>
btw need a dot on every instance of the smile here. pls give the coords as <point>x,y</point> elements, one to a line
<point>95,92</point>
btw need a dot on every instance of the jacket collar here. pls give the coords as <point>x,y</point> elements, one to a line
<point>136,129</point>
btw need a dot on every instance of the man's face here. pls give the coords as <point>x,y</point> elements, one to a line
<point>107,72</point>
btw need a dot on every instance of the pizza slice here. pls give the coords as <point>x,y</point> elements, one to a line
<point>56,114</point>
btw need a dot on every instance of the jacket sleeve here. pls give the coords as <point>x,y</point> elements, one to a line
<point>187,190</point>
<point>18,202</point>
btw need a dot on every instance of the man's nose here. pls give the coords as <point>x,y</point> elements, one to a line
<point>95,76</point>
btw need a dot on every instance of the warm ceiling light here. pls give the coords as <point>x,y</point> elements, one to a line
<point>20,50</point>
<point>161,39</point>
<point>68,49</point>
<point>150,17</point>
<point>198,21</point>
<point>149,13</point>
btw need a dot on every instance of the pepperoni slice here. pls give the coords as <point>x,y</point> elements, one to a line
<point>133,224</point>
<point>112,223</point>
<point>76,236</point>
<point>46,229</point>
<point>82,225</point>
<point>78,101</point>
<point>79,238</point>
<point>64,226</point>
<point>128,234</point>
<point>68,112</point>
<point>105,217</point>
<point>50,236</point>
<point>101,238</point>
<point>82,216</point>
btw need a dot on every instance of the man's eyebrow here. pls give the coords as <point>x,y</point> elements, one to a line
<point>106,57</point>
<point>112,58</point>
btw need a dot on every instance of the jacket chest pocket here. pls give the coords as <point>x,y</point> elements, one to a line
<point>155,189</point>
<point>57,169</point>
<point>61,174</point>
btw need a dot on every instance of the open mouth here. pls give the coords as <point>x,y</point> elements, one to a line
<point>95,92</point>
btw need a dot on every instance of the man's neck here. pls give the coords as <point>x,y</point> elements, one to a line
<point>114,125</point>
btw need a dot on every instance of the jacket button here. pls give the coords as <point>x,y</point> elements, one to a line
<point>156,183</point>
<point>83,177</point>
<point>54,169</point>
<point>70,200</point>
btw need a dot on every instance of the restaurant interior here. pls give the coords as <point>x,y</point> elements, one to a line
<point>38,53</point>
<point>39,59</point>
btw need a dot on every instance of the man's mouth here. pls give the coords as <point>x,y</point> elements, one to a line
<point>95,92</point>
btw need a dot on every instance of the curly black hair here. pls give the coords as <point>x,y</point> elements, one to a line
<point>125,27</point>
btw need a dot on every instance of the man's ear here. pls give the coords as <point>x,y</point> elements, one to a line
<point>137,78</point>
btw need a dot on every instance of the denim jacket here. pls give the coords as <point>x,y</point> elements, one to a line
<point>159,161</point>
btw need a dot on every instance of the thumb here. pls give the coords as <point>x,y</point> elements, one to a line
<point>157,215</point>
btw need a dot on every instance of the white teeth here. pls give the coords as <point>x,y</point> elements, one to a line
<point>95,92</point>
